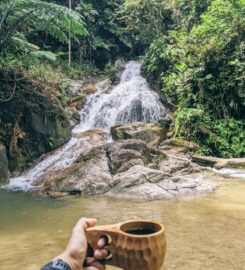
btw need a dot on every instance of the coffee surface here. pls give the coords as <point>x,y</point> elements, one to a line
<point>141,231</point>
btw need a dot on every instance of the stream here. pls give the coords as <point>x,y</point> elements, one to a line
<point>203,233</point>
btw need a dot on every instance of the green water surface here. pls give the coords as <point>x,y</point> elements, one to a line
<point>206,232</point>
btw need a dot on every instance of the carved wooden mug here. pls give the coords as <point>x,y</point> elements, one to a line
<point>133,245</point>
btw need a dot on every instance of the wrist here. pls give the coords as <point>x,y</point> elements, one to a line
<point>70,260</point>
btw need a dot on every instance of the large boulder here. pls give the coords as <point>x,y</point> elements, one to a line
<point>174,143</point>
<point>81,87</point>
<point>123,168</point>
<point>219,163</point>
<point>125,154</point>
<point>90,175</point>
<point>4,171</point>
<point>87,86</point>
<point>178,159</point>
<point>153,134</point>
<point>94,135</point>
<point>94,169</point>
<point>141,182</point>
<point>175,164</point>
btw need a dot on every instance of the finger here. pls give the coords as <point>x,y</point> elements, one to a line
<point>103,241</point>
<point>96,266</point>
<point>78,241</point>
<point>90,222</point>
<point>84,223</point>
<point>93,268</point>
<point>89,261</point>
<point>101,254</point>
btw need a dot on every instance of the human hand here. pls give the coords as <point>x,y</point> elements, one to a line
<point>76,252</point>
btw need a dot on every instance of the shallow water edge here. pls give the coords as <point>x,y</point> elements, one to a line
<point>205,232</point>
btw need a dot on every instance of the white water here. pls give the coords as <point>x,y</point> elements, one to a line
<point>130,101</point>
<point>232,172</point>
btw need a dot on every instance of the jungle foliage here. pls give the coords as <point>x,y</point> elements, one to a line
<point>20,18</point>
<point>194,51</point>
<point>34,31</point>
<point>199,65</point>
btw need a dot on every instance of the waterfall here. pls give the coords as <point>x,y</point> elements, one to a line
<point>130,101</point>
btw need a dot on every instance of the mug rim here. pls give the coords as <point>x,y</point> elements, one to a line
<point>156,223</point>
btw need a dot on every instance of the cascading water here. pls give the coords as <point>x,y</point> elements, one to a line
<point>232,172</point>
<point>130,101</point>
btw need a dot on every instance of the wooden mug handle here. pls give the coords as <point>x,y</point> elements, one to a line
<point>93,235</point>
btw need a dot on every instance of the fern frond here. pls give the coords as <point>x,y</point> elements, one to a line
<point>56,20</point>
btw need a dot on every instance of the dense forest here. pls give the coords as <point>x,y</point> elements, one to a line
<point>192,51</point>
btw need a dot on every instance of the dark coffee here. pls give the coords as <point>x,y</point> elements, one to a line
<point>141,231</point>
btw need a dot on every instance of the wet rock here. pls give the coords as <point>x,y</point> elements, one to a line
<point>90,88</point>
<point>231,163</point>
<point>219,163</point>
<point>57,194</point>
<point>153,134</point>
<point>74,86</point>
<point>178,143</point>
<point>4,171</point>
<point>78,102</point>
<point>178,159</point>
<point>175,164</point>
<point>120,64</point>
<point>94,170</point>
<point>166,123</point>
<point>73,115</point>
<point>81,87</point>
<point>204,161</point>
<point>125,154</point>
<point>85,87</point>
<point>93,136</point>
<point>145,191</point>
<point>128,168</point>
<point>141,182</point>
<point>137,175</point>
<point>75,119</point>
<point>91,175</point>
<point>31,125</point>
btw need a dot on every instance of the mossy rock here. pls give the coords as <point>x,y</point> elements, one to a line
<point>31,125</point>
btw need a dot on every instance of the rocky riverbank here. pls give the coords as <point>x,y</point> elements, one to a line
<point>131,168</point>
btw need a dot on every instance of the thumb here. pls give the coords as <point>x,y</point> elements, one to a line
<point>85,223</point>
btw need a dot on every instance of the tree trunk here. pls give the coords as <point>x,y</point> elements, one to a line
<point>69,41</point>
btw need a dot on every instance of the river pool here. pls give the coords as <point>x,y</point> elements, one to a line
<point>206,232</point>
